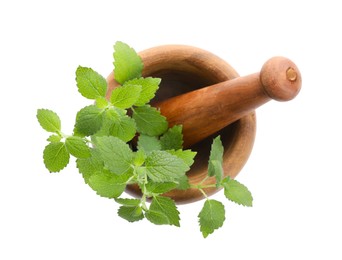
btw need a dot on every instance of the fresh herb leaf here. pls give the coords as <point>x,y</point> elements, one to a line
<point>156,188</point>
<point>211,216</point>
<point>183,183</point>
<point>116,154</point>
<point>108,185</point>
<point>128,202</point>
<point>54,138</point>
<point>127,63</point>
<point>167,207</point>
<point>90,84</point>
<point>89,120</point>
<point>172,138</point>
<point>164,167</point>
<point>56,156</point>
<point>131,213</point>
<point>49,120</point>
<point>148,143</point>
<point>77,147</point>
<point>157,217</point>
<point>216,159</point>
<point>124,128</point>
<point>91,165</point>
<point>101,102</point>
<point>125,96</point>
<point>139,158</point>
<point>186,155</point>
<point>237,192</point>
<point>149,120</point>
<point>149,86</point>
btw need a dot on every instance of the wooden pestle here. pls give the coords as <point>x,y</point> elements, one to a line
<point>207,110</point>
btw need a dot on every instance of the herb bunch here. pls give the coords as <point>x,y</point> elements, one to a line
<point>124,140</point>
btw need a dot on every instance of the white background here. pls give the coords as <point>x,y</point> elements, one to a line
<point>294,171</point>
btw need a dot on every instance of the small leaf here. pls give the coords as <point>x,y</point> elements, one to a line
<point>127,63</point>
<point>91,165</point>
<point>49,120</point>
<point>89,120</point>
<point>108,185</point>
<point>139,158</point>
<point>56,156</point>
<point>148,143</point>
<point>167,207</point>
<point>54,138</point>
<point>128,202</point>
<point>149,87</point>
<point>125,96</point>
<point>237,192</point>
<point>116,154</point>
<point>216,168</point>
<point>157,217</point>
<point>101,102</point>
<point>77,147</point>
<point>215,160</point>
<point>149,121</point>
<point>164,167</point>
<point>124,128</point>
<point>157,188</point>
<point>186,155</point>
<point>211,217</point>
<point>131,214</point>
<point>183,183</point>
<point>172,139</point>
<point>90,84</point>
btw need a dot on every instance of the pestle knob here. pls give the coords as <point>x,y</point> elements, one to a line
<point>205,111</point>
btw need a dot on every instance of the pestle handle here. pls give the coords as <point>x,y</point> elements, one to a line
<point>205,111</point>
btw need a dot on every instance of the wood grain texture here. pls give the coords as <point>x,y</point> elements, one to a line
<point>206,95</point>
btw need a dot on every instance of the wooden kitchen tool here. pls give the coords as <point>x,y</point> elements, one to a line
<point>205,94</point>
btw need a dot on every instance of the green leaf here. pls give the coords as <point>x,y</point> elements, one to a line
<point>211,217</point>
<point>172,139</point>
<point>128,202</point>
<point>90,84</point>
<point>108,185</point>
<point>125,96</point>
<point>186,155</point>
<point>91,165</point>
<point>149,121</point>
<point>167,207</point>
<point>124,128</point>
<point>56,156</point>
<point>216,168</point>
<point>157,217</point>
<point>139,158</point>
<point>148,143</point>
<point>131,214</point>
<point>237,192</point>
<point>149,87</point>
<point>77,147</point>
<point>54,138</point>
<point>89,120</point>
<point>101,102</point>
<point>162,166</point>
<point>183,183</point>
<point>118,125</point>
<point>156,188</point>
<point>216,159</point>
<point>116,154</point>
<point>49,120</point>
<point>127,63</point>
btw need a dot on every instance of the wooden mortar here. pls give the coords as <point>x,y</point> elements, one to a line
<point>224,108</point>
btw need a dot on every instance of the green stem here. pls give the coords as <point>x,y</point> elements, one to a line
<point>204,194</point>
